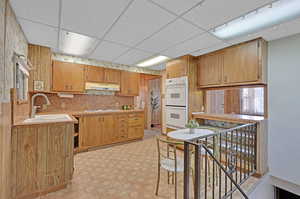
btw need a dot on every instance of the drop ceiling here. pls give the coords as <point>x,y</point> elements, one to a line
<point>130,31</point>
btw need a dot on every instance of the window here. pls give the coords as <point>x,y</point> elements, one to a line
<point>246,101</point>
<point>252,101</point>
<point>21,78</point>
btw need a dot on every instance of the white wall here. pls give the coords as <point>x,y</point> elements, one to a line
<point>284,108</point>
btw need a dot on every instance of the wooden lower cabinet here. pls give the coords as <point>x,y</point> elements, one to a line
<point>136,132</point>
<point>105,129</point>
<point>42,159</point>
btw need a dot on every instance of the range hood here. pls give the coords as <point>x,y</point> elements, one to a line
<point>101,86</point>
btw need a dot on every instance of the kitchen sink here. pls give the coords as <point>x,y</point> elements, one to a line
<point>49,118</point>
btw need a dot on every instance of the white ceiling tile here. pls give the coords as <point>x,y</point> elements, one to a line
<point>132,57</point>
<point>39,34</point>
<point>107,51</point>
<point>91,17</point>
<point>174,33</point>
<point>177,6</point>
<point>140,20</point>
<point>283,30</point>
<point>216,47</point>
<point>46,12</point>
<point>213,13</point>
<point>199,42</point>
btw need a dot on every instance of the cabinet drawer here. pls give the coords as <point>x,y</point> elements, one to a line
<point>131,115</point>
<point>136,121</point>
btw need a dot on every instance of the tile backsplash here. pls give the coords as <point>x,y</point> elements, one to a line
<point>81,102</point>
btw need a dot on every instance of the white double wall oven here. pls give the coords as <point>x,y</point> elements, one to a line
<point>177,102</point>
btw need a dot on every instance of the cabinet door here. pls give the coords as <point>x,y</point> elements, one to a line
<point>210,69</point>
<point>121,128</point>
<point>56,155</point>
<point>68,77</point>
<point>135,132</point>
<point>94,74</point>
<point>130,82</point>
<point>134,85</point>
<point>108,129</point>
<point>112,76</point>
<point>241,63</point>
<point>91,131</point>
<point>177,67</point>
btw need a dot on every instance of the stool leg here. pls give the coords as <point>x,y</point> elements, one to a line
<point>158,180</point>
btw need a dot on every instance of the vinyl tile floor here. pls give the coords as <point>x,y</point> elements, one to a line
<point>126,171</point>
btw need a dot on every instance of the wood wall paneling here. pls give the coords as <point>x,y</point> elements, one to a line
<point>196,97</point>
<point>40,58</point>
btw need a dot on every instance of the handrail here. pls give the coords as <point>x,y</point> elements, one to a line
<point>229,150</point>
<point>226,173</point>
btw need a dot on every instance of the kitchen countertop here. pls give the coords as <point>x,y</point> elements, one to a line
<point>228,117</point>
<point>74,114</point>
<point>71,119</point>
<point>83,113</point>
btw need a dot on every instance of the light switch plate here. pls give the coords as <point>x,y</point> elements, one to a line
<point>38,85</point>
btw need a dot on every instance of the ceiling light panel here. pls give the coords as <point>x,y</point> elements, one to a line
<point>91,17</point>
<point>140,21</point>
<point>276,32</point>
<point>267,16</point>
<point>39,34</point>
<point>153,61</point>
<point>177,6</point>
<point>76,44</point>
<point>202,41</point>
<point>132,57</point>
<point>174,33</point>
<point>107,51</point>
<point>213,13</point>
<point>45,12</point>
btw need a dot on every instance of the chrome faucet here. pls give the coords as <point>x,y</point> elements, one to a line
<point>34,108</point>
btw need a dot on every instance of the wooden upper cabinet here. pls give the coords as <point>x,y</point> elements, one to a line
<point>130,82</point>
<point>68,77</point>
<point>94,74</point>
<point>241,63</point>
<point>210,69</point>
<point>177,67</point>
<point>112,76</point>
<point>102,75</point>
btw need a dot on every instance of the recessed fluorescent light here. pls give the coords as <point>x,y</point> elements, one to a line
<point>267,16</point>
<point>76,44</point>
<point>152,61</point>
